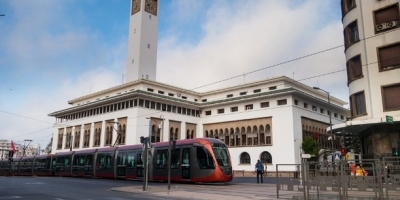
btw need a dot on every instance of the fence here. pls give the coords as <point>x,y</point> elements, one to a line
<point>369,179</point>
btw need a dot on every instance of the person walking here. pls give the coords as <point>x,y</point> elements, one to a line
<point>352,170</point>
<point>259,170</point>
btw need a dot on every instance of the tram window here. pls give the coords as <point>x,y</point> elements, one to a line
<point>131,160</point>
<point>161,159</point>
<point>221,154</point>
<point>175,158</point>
<point>108,161</point>
<point>121,160</point>
<point>66,162</point>
<point>139,159</point>
<point>82,161</point>
<point>89,160</point>
<point>204,159</point>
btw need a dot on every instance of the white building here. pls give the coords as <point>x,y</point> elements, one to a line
<point>264,120</point>
<point>372,48</point>
<point>5,147</point>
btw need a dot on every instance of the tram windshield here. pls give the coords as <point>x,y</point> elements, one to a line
<point>221,154</point>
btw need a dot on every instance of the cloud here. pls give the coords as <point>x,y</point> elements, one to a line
<point>50,57</point>
<point>243,36</point>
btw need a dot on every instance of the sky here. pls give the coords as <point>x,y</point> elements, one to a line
<point>55,51</point>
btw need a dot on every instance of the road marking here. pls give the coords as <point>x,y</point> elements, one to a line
<point>10,197</point>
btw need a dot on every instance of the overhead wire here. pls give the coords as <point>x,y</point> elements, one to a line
<point>233,77</point>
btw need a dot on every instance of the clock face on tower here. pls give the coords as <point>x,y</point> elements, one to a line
<point>151,6</point>
<point>135,6</point>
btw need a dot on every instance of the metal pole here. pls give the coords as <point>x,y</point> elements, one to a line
<point>147,161</point>
<point>144,154</point>
<point>330,120</point>
<point>70,142</point>
<point>169,164</point>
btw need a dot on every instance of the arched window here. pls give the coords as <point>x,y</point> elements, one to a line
<point>207,134</point>
<point>266,157</point>
<point>267,129</point>
<point>244,158</point>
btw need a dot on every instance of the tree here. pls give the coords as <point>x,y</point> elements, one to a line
<point>49,145</point>
<point>310,146</point>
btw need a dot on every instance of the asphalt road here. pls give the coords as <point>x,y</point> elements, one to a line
<point>66,188</point>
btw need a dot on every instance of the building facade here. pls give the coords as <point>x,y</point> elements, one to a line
<point>372,49</point>
<point>264,120</point>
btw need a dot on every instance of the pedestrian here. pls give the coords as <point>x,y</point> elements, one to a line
<point>352,170</point>
<point>259,170</point>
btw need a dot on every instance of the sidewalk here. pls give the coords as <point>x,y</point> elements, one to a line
<point>212,192</point>
<point>239,191</point>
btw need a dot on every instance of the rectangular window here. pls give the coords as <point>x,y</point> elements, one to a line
<point>321,110</point>
<point>140,102</point>
<point>183,111</point>
<point>305,105</point>
<point>160,92</point>
<point>169,108</point>
<point>248,107</point>
<point>208,112</point>
<point>357,105</point>
<point>243,93</point>
<point>179,110</point>
<point>229,95</point>
<point>264,104</point>
<point>272,88</point>
<point>204,100</point>
<point>389,57</point>
<point>234,109</point>
<point>257,91</point>
<point>282,102</point>
<point>221,111</point>
<point>153,105</point>
<point>391,97</point>
<point>164,107</point>
<point>347,5</point>
<point>354,68</point>
<point>314,108</point>
<point>150,90</point>
<point>335,115</point>
<point>296,102</point>
<point>341,117</point>
<point>184,97</point>
<point>351,34</point>
<point>158,106</point>
<point>170,94</point>
<point>387,18</point>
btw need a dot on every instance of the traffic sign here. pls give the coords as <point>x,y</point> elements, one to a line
<point>305,155</point>
<point>389,119</point>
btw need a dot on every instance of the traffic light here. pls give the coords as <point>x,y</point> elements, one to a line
<point>395,151</point>
<point>343,151</point>
<point>348,141</point>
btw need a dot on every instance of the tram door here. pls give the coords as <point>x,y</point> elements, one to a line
<point>139,165</point>
<point>186,163</point>
<point>121,164</point>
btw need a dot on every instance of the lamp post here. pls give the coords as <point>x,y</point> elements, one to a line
<point>330,116</point>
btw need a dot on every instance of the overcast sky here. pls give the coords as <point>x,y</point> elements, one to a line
<point>54,51</point>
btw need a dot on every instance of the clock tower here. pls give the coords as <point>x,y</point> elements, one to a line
<point>142,40</point>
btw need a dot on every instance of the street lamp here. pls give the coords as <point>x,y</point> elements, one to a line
<point>330,116</point>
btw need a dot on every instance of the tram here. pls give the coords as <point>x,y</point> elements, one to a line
<point>204,160</point>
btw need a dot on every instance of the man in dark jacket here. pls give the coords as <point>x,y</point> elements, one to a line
<point>260,170</point>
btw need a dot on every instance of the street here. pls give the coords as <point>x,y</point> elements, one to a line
<point>66,188</point>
